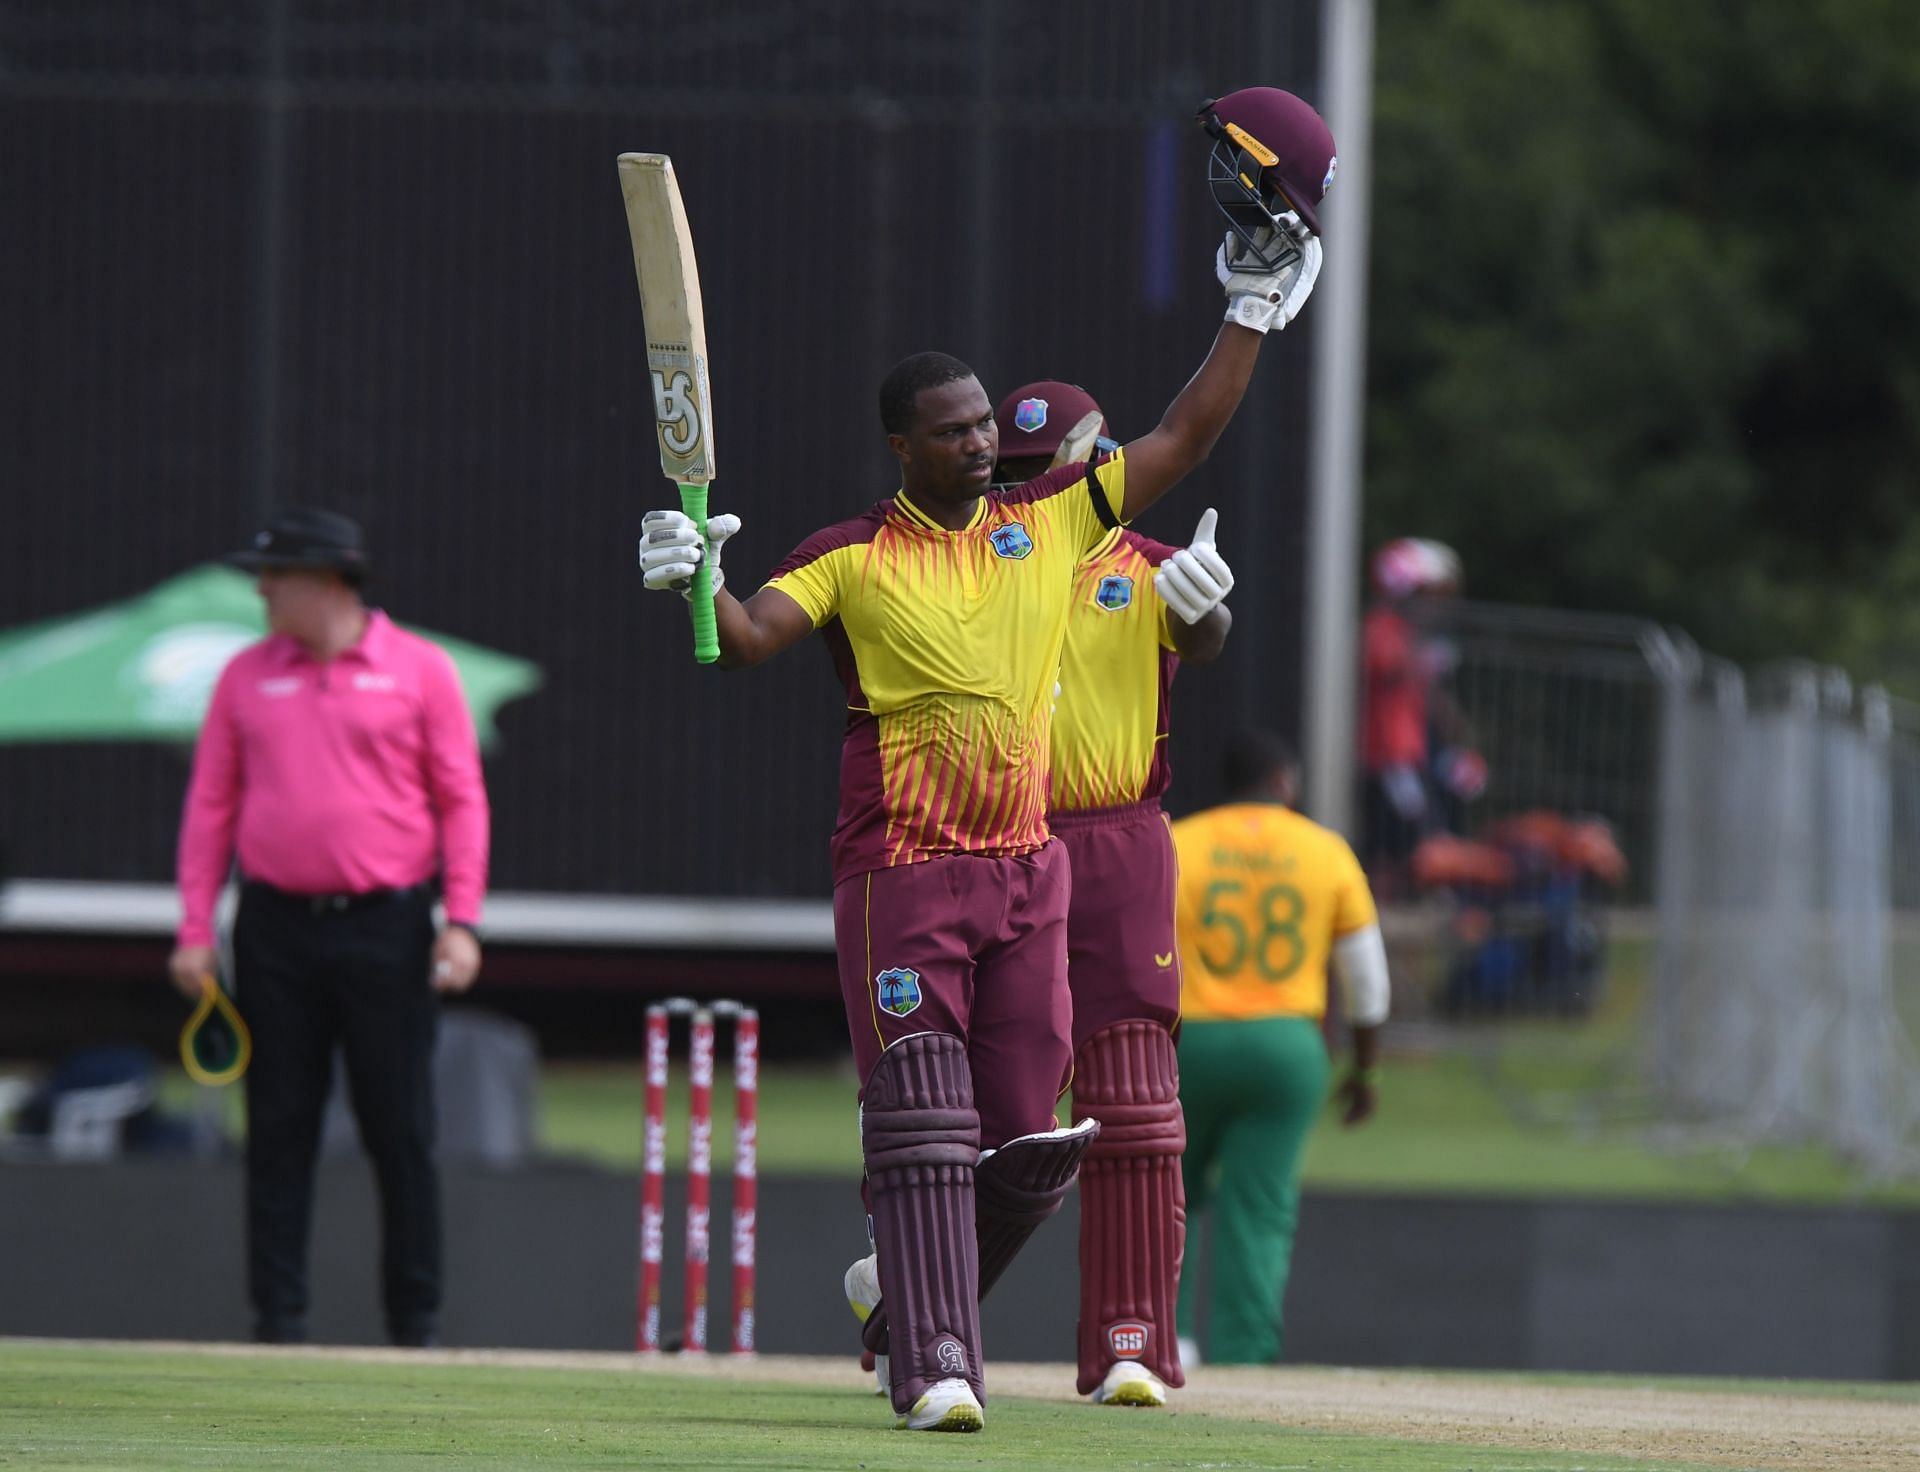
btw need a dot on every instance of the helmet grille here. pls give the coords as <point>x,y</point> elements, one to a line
<point>1251,199</point>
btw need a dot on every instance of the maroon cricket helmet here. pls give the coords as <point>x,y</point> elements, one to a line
<point>1272,153</point>
<point>1035,418</point>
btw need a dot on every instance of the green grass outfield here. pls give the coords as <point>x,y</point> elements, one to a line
<point>1447,1124</point>
<point>75,1406</point>
<point>1532,1107</point>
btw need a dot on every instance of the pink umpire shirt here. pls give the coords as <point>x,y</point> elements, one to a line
<point>355,775</point>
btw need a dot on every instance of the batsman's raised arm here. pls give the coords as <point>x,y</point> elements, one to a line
<point>1185,436</point>
<point>672,549</point>
<point>1272,163</point>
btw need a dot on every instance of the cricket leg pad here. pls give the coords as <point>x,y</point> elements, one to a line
<point>1133,1208</point>
<point>1016,1188</point>
<point>921,1138</point>
<point>1019,1186</point>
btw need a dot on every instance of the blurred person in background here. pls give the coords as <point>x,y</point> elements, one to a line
<point>1418,764</point>
<point>1268,902</point>
<point>339,764</point>
<point>1139,608</point>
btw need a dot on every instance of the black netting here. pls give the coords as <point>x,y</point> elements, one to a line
<point>373,257</point>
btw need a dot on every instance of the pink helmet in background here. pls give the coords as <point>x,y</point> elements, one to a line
<point>1410,565</point>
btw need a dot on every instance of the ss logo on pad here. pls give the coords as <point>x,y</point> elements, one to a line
<point>1128,1341</point>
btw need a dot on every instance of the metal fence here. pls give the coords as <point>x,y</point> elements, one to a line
<point>1565,708</point>
<point>1512,887</point>
<point>1769,824</point>
<point>1789,800</point>
<point>372,256</point>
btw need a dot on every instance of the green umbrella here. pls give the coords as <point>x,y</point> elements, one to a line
<point>144,670</point>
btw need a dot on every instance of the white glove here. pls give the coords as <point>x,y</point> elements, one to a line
<point>671,549</point>
<point>1263,299</point>
<point>1194,580</point>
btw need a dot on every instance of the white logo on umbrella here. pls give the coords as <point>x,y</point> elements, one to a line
<point>174,672</point>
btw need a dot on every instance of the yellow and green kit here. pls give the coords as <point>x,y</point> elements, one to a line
<point>1263,895</point>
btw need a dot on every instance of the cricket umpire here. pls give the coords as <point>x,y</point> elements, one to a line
<point>338,764</point>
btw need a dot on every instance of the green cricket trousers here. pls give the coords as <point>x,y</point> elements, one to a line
<point>1251,1091</point>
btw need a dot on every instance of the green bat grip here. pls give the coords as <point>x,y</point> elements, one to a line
<point>706,637</point>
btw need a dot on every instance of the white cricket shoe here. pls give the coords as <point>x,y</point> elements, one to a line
<point>862,1284</point>
<point>1130,1384</point>
<point>948,1405</point>
<point>1189,1353</point>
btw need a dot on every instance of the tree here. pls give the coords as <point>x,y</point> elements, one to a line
<point>1646,337</point>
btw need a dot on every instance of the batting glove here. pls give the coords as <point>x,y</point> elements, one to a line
<point>671,549</point>
<point>1194,580</point>
<point>1266,299</point>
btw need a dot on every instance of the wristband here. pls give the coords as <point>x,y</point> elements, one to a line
<point>1252,312</point>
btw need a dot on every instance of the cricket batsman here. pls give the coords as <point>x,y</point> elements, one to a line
<point>1139,608</point>
<point>945,606</point>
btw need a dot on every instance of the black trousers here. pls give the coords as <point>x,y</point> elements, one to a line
<point>307,979</point>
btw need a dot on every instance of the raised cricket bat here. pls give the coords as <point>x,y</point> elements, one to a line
<point>676,328</point>
<point>1078,444</point>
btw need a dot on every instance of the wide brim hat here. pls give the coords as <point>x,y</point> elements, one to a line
<point>306,537</point>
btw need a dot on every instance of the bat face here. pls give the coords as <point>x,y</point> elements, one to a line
<point>663,261</point>
<point>676,356</point>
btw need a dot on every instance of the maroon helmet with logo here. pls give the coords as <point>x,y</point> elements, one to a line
<point>1035,418</point>
<point>1272,153</point>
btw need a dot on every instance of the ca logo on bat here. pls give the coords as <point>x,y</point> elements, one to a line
<point>677,411</point>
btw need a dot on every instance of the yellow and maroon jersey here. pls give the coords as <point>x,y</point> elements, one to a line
<point>948,644</point>
<point>1264,893</point>
<point>1110,727</point>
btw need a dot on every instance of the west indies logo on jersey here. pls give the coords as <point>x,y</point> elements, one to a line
<point>1114,593</point>
<point>1030,414</point>
<point>899,988</point>
<point>1011,541</point>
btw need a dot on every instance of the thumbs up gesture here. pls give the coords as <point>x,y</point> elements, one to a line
<point>1195,579</point>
